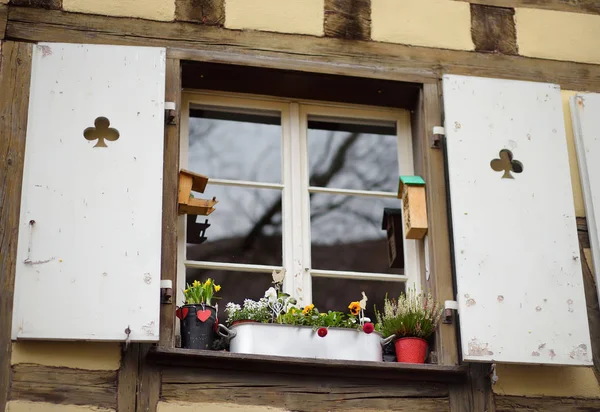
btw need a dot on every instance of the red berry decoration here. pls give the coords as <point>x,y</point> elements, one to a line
<point>368,328</point>
<point>322,332</point>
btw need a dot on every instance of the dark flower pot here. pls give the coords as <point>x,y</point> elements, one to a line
<point>198,326</point>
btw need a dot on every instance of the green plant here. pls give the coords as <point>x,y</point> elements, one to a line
<point>250,310</point>
<point>412,315</point>
<point>199,292</point>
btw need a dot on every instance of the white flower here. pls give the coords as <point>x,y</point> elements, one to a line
<point>365,319</point>
<point>271,294</point>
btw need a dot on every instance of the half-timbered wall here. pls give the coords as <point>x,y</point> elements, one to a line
<point>533,34</point>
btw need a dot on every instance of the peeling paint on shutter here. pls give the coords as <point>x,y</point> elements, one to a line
<point>519,279</point>
<point>90,228</point>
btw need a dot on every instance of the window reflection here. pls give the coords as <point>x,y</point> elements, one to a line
<point>236,146</point>
<point>352,156</point>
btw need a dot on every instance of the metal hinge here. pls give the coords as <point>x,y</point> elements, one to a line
<point>436,136</point>
<point>449,307</point>
<point>170,113</point>
<point>166,291</point>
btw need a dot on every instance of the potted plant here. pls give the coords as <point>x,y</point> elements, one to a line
<point>290,330</point>
<point>409,322</point>
<point>198,318</point>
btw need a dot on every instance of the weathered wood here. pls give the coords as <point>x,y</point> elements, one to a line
<point>348,19</point>
<point>148,387</point>
<point>211,12</point>
<point>304,366</point>
<point>440,264</point>
<point>127,378</point>
<point>305,393</point>
<point>493,29</point>
<point>545,404</point>
<point>15,74</point>
<point>64,386</point>
<point>291,52</point>
<point>42,4</point>
<point>475,394</point>
<point>169,223</point>
<point>3,20</point>
<point>591,297</point>
<point>575,6</point>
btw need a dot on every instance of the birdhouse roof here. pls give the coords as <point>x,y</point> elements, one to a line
<point>409,181</point>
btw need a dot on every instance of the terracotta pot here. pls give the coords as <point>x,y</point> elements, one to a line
<point>411,350</point>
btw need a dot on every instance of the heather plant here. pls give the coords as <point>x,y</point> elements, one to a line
<point>411,315</point>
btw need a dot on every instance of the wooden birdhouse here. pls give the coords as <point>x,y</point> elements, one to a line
<point>412,192</point>
<point>392,223</point>
<point>188,204</point>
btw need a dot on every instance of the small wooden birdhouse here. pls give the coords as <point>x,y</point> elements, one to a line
<point>392,223</point>
<point>412,192</point>
<point>188,182</point>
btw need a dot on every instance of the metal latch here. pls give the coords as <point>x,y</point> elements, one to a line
<point>438,132</point>
<point>449,307</point>
<point>170,113</point>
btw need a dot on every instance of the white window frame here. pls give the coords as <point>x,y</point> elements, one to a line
<point>296,245</point>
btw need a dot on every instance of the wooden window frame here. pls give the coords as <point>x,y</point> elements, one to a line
<point>428,161</point>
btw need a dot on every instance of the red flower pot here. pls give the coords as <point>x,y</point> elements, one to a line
<point>411,350</point>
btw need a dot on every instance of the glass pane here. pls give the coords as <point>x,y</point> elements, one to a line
<point>336,294</point>
<point>235,286</point>
<point>236,146</point>
<point>244,228</point>
<point>346,233</point>
<point>352,156</point>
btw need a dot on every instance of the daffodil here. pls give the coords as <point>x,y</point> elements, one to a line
<point>195,284</point>
<point>217,288</point>
<point>207,283</point>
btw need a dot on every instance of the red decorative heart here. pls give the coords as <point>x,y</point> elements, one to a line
<point>182,313</point>
<point>203,315</point>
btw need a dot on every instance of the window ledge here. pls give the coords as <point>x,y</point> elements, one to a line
<point>306,366</point>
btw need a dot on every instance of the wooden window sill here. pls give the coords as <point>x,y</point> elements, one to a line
<point>305,366</point>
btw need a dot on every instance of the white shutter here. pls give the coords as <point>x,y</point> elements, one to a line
<point>585,112</point>
<point>520,288</point>
<point>90,228</point>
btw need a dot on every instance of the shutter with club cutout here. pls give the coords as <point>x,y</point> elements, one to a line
<point>516,252</point>
<point>90,228</point>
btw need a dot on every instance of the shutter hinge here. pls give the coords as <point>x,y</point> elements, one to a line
<point>449,307</point>
<point>166,291</point>
<point>170,113</point>
<point>437,133</point>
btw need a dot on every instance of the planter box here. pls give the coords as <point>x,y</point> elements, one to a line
<point>303,342</point>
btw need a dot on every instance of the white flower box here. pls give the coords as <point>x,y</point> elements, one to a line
<point>304,342</point>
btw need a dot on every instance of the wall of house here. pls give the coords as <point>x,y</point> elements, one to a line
<point>559,32</point>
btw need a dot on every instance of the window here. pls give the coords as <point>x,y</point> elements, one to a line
<point>301,186</point>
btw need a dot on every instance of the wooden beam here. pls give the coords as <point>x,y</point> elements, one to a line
<point>210,12</point>
<point>578,6</point>
<point>42,4</point>
<point>475,394</point>
<point>292,52</point>
<point>3,20</point>
<point>149,382</point>
<point>304,393</point>
<point>493,29</point>
<point>348,19</point>
<point>169,223</point>
<point>127,378</point>
<point>15,74</point>
<point>545,404</point>
<point>64,386</point>
<point>440,262</point>
<point>305,366</point>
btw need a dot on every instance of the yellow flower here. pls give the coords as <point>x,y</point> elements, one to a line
<point>207,283</point>
<point>308,308</point>
<point>293,311</point>
<point>186,291</point>
<point>354,308</point>
<point>196,284</point>
<point>323,314</point>
<point>217,288</point>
